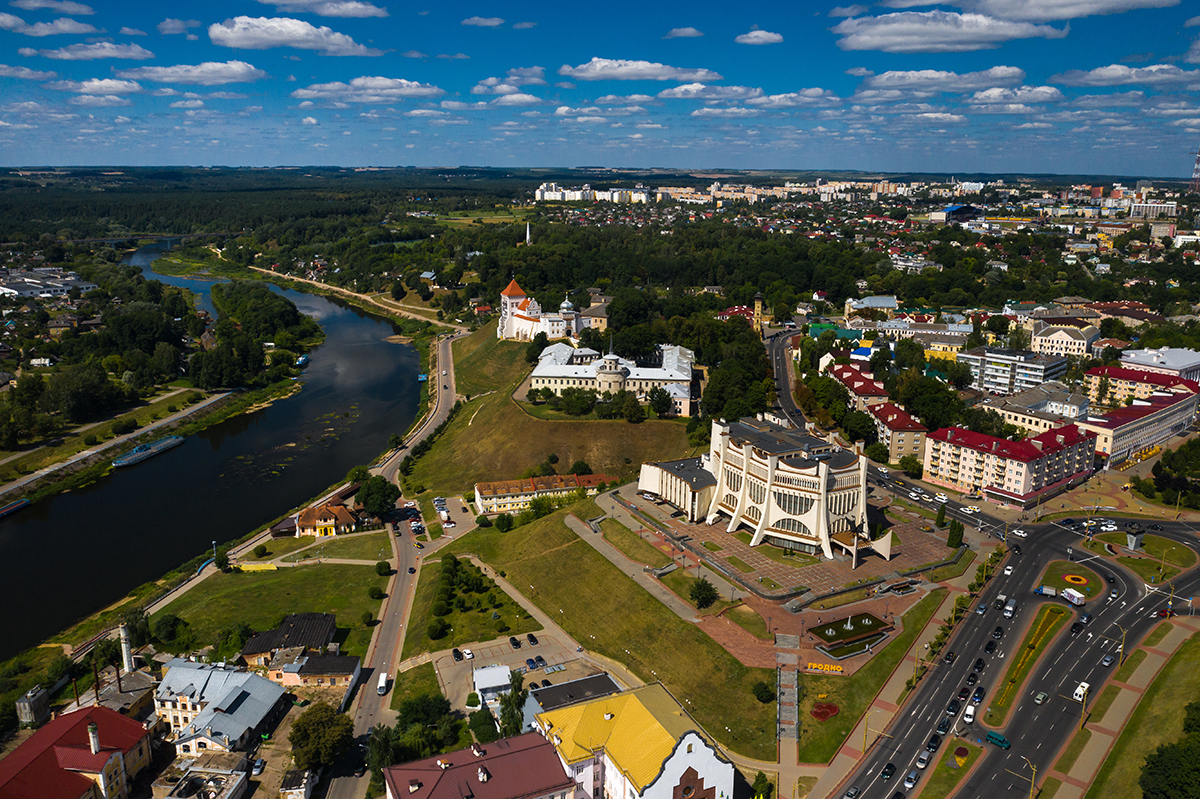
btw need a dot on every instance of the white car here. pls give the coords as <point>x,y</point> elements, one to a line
<point>976,509</point>
<point>1020,533</point>
<point>883,469</point>
<point>468,654</point>
<point>923,759</point>
<point>967,511</point>
<point>941,498</point>
<point>410,504</point>
<point>1008,570</point>
<point>913,495</point>
<point>969,715</point>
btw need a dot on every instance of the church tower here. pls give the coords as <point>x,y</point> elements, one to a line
<point>760,320</point>
<point>510,299</point>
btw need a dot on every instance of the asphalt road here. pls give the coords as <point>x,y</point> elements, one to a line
<point>1036,731</point>
<point>781,365</point>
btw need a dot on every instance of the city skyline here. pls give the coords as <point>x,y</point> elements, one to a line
<point>1086,86</point>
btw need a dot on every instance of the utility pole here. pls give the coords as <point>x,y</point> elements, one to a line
<point>1033,779</point>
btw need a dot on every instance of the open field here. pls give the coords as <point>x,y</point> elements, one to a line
<point>953,570</point>
<point>819,741</point>
<point>681,581</point>
<point>633,545</point>
<point>368,546</point>
<point>483,362</point>
<point>414,682</point>
<point>1041,632</point>
<point>261,599</point>
<point>281,546</point>
<point>748,619</point>
<point>609,613</point>
<point>1157,720</point>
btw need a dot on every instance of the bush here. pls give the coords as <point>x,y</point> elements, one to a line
<point>763,692</point>
<point>171,409</point>
<point>472,699</point>
<point>89,440</point>
<point>482,521</point>
<point>260,551</point>
<point>501,626</point>
<point>483,725</point>
<point>440,608</point>
<point>877,452</point>
<point>383,568</point>
<point>437,629</point>
<point>504,522</point>
<point>375,592</point>
<point>366,618</point>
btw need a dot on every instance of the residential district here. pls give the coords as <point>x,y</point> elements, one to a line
<point>954,556</point>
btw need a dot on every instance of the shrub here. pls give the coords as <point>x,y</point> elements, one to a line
<point>367,618</point>
<point>501,626</point>
<point>482,521</point>
<point>472,699</point>
<point>260,551</point>
<point>171,409</point>
<point>504,522</point>
<point>483,725</point>
<point>440,608</point>
<point>89,440</point>
<point>437,629</point>
<point>763,692</point>
<point>375,592</point>
<point>383,568</point>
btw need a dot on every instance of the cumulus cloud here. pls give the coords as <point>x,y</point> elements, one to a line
<point>619,99</point>
<point>1003,108</point>
<point>935,32</point>
<point>939,117</point>
<point>11,22</point>
<point>1021,94</point>
<point>368,90</point>
<point>683,33</point>
<point>328,8</point>
<point>728,113</point>
<point>567,111</point>
<point>98,101</point>
<point>413,54</point>
<point>759,37</point>
<point>1193,53</point>
<point>700,91</point>
<point>859,72</point>
<point>512,81</point>
<point>620,69</point>
<point>517,99</point>
<point>805,98</point>
<point>523,26</point>
<point>425,112</point>
<point>133,32</point>
<point>209,73</point>
<point>260,33</point>
<point>24,72</point>
<point>1054,10</point>
<point>848,11</point>
<point>1134,97</point>
<point>940,81</point>
<point>187,104</point>
<point>170,27</point>
<point>1121,75</point>
<point>92,52</point>
<point>96,86</point>
<point>483,22</point>
<point>458,105</point>
<point>309,121</point>
<point>1033,126</point>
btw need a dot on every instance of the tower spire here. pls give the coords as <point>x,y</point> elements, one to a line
<point>1194,186</point>
<point>528,235</point>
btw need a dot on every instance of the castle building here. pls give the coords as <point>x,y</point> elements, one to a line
<point>522,318</point>
<point>561,366</point>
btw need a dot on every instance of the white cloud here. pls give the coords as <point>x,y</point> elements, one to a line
<point>209,73</point>
<point>1033,126</point>
<point>651,126</point>
<point>585,120</point>
<point>759,37</point>
<point>940,117</point>
<point>306,104</point>
<point>624,111</point>
<point>1021,94</point>
<point>24,72</point>
<point>1187,123</point>
<point>524,26</point>
<point>1004,108</point>
<point>425,112</point>
<point>620,69</point>
<point>309,121</point>
<point>61,6</point>
<point>228,95</point>
<point>700,91</point>
<point>935,32</point>
<point>454,57</point>
<point>1134,97</point>
<point>413,54</point>
<point>1193,53</point>
<point>805,98</point>
<point>1121,75</point>
<point>683,33</point>
<point>1054,10</point>
<point>368,90</point>
<point>728,113</point>
<point>458,105</point>
<point>96,86</point>
<point>170,26</point>
<point>133,32</point>
<point>619,99</point>
<point>91,52</point>
<point>10,22</point>
<point>1191,23</point>
<point>328,8</point>
<point>483,22</point>
<point>510,83</point>
<point>260,33</point>
<point>938,81</point>
<point>859,72</point>
<point>98,101</point>
<point>848,11</point>
<point>187,104</point>
<point>517,99</point>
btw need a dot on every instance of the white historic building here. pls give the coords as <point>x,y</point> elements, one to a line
<point>561,366</point>
<point>522,318</point>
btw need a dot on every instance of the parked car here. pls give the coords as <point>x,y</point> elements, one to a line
<point>468,654</point>
<point>458,655</point>
<point>964,692</point>
<point>969,715</point>
<point>532,639</point>
<point>529,664</point>
<point>513,642</point>
<point>977,697</point>
<point>259,765</point>
<point>545,683</point>
<point>933,743</point>
<point>540,661</point>
<point>943,726</point>
<point>923,760</point>
<point>910,781</point>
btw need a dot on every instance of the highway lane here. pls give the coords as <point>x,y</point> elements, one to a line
<point>1036,732</point>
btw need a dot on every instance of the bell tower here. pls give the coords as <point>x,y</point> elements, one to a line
<point>760,321</point>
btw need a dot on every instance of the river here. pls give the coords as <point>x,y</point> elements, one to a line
<point>78,552</point>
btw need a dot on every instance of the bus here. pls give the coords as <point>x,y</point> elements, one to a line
<point>381,689</point>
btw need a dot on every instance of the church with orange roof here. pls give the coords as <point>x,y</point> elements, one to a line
<point>522,318</point>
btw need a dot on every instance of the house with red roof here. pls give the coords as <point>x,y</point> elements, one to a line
<point>94,753</point>
<point>864,392</point>
<point>898,430</point>
<point>524,767</point>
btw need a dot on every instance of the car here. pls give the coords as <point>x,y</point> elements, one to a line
<point>1110,578</point>
<point>1108,528</point>
<point>851,793</point>
<point>1085,617</point>
<point>990,648</point>
<point>975,509</point>
<point>443,372</point>
<point>412,570</point>
<point>943,726</point>
<point>418,545</point>
<point>449,525</point>
<point>457,654</point>
<point>964,692</point>
<point>1040,698</point>
<point>1156,527</point>
<point>950,656</point>
<point>923,760</point>
<point>514,642</point>
<point>259,765</point>
<point>1008,570</point>
<point>1016,549</point>
<point>546,683</point>
<point>1165,613</point>
<point>529,664</point>
<point>540,661</point>
<point>999,604</point>
<point>1113,594</point>
<point>913,495</point>
<point>360,769</point>
<point>888,771</point>
<point>910,781</point>
<point>1020,533</point>
<point>977,697</point>
<point>953,708</point>
<point>1076,628</point>
<point>410,504</point>
<point>966,511</point>
<point>532,639</point>
<point>998,633</point>
<point>468,654</point>
<point>901,483</point>
<point>979,664</point>
<point>982,609</point>
<point>941,498</point>
<point>1107,660</point>
<point>969,715</point>
<point>972,678</point>
<point>933,743</point>
<point>883,470</point>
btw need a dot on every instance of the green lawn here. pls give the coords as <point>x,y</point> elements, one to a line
<point>1155,546</point>
<point>1101,705</point>
<point>1047,622</point>
<point>1132,662</point>
<point>366,546</point>
<point>741,565</point>
<point>1156,635</point>
<point>748,619</point>
<point>261,599</point>
<point>819,741</point>
<point>1056,571</point>
<point>1148,569</point>
<point>711,547</point>
<point>414,682</point>
<point>609,613</point>
<point>841,599</point>
<point>680,581</point>
<point>633,545</point>
<point>466,626</point>
<point>778,554</point>
<point>1157,720</point>
<point>1069,755</point>
<point>942,779</point>
<point>483,362</point>
<point>953,570</point>
<point>1049,788</point>
<point>280,546</point>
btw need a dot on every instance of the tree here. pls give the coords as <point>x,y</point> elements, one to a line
<point>877,452</point>
<point>763,692</point>
<point>858,426</point>
<point>912,466</point>
<point>660,401</point>
<point>703,593</point>
<point>366,618</point>
<point>375,592</point>
<point>359,474</point>
<point>383,568</point>
<point>998,325</point>
<point>580,467</point>
<point>941,515</point>
<point>1172,771</point>
<point>512,705</point>
<point>533,349</point>
<point>378,495</point>
<point>319,735</point>
<point>483,724</point>
<point>221,561</point>
<point>762,786</point>
<point>954,537</point>
<point>260,551</point>
<point>169,628</point>
<point>958,373</point>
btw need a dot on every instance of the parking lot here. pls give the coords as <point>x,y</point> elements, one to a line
<point>456,676</point>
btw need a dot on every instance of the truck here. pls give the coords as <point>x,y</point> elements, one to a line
<point>1073,596</point>
<point>1010,608</point>
<point>1045,590</point>
<point>1000,600</point>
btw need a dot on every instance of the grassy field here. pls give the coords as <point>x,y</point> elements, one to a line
<point>1071,753</point>
<point>741,565</point>
<point>819,741</point>
<point>280,546</point>
<point>1155,546</point>
<point>680,581</point>
<point>748,619</point>
<point>951,571</point>
<point>1132,662</point>
<point>1156,635</point>
<point>604,609</point>
<point>1047,622</point>
<point>633,545</point>
<point>483,362</point>
<point>1049,788</point>
<point>1157,720</point>
<point>261,599</point>
<point>1148,569</point>
<point>367,546</point>
<point>414,682</point>
<point>841,599</point>
<point>942,778</point>
<point>1056,572</point>
<point>466,626</point>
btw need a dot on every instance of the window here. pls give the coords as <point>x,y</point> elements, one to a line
<point>689,752</point>
<point>690,790</point>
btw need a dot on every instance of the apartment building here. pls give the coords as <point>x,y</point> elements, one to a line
<point>1046,407</point>
<point>1063,340</point>
<point>1114,385</point>
<point>1001,370</point>
<point>1164,360</point>
<point>898,431</point>
<point>1146,423</point>
<point>864,392</point>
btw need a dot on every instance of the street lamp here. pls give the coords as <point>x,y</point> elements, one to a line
<point>1163,563</point>
<point>1033,779</point>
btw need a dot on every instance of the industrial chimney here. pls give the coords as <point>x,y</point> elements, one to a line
<point>126,649</point>
<point>94,737</point>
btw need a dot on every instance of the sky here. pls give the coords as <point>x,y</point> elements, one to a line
<point>1058,86</point>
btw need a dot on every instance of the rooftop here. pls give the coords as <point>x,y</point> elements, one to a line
<point>894,417</point>
<point>1030,449</point>
<point>533,485</point>
<point>1165,357</point>
<point>512,768</point>
<point>690,470</point>
<point>311,630</point>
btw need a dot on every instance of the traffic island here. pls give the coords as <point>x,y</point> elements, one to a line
<point>1047,622</point>
<point>954,764</point>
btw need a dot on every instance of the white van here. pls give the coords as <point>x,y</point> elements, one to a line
<point>1081,692</point>
<point>381,689</point>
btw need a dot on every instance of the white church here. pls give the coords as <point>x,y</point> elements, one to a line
<point>522,318</point>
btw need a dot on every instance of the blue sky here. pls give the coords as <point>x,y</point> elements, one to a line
<point>1063,86</point>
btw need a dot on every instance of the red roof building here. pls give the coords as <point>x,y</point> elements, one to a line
<point>524,767</point>
<point>1120,383</point>
<point>88,754</point>
<point>1124,431</point>
<point>864,391</point>
<point>898,431</point>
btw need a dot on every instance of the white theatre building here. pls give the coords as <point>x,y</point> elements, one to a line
<point>792,489</point>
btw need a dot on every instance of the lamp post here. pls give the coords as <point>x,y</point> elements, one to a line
<point>1162,563</point>
<point>214,550</point>
<point>1033,779</point>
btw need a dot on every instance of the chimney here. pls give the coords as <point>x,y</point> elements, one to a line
<point>414,786</point>
<point>483,774</point>
<point>94,737</point>
<point>126,649</point>
<point>608,716</point>
<point>443,764</point>
<point>475,750</point>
